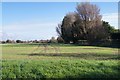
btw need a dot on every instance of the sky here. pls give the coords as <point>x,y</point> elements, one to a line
<point>38,20</point>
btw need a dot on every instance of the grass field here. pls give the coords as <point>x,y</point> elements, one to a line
<point>69,61</point>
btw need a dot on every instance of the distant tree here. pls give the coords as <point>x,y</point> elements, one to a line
<point>53,40</point>
<point>12,41</point>
<point>18,41</point>
<point>35,41</point>
<point>3,42</point>
<point>8,41</point>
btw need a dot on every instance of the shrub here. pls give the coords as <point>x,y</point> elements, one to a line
<point>18,41</point>
<point>53,40</point>
<point>8,41</point>
<point>60,40</point>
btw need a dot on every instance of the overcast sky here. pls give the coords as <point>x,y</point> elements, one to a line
<point>38,20</point>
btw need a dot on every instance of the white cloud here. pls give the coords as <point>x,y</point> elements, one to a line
<point>112,18</point>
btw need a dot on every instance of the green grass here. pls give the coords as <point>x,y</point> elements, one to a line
<point>71,61</point>
<point>60,69</point>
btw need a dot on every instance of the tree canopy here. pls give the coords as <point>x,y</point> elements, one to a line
<point>84,24</point>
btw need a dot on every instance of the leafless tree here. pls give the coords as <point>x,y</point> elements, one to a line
<point>89,15</point>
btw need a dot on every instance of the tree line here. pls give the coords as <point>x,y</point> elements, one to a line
<point>52,40</point>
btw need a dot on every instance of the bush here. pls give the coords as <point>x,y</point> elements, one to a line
<point>53,40</point>
<point>18,41</point>
<point>60,40</point>
<point>3,42</point>
<point>8,41</point>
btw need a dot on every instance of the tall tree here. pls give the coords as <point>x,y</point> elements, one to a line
<point>65,29</point>
<point>85,23</point>
<point>90,21</point>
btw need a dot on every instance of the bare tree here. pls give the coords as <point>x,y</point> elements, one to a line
<point>90,17</point>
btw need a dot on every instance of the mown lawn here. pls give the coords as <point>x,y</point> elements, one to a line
<point>70,61</point>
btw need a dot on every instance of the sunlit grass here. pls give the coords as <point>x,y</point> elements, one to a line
<point>26,61</point>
